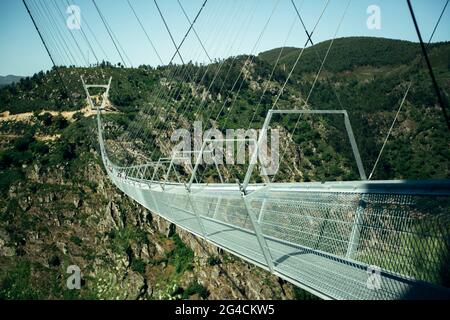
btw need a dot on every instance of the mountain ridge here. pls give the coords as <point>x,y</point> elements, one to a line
<point>9,79</point>
<point>350,52</point>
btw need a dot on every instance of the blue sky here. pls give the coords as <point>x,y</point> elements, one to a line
<point>226,27</point>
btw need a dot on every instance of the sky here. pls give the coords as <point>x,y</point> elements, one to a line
<point>225,28</point>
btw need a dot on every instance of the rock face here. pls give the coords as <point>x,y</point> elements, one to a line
<point>228,277</point>
<point>5,251</point>
<point>123,250</point>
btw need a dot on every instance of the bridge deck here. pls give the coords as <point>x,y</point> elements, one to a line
<point>223,220</point>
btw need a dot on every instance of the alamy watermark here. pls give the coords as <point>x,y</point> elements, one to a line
<point>236,147</point>
<point>73,21</point>
<point>374,20</point>
<point>74,280</point>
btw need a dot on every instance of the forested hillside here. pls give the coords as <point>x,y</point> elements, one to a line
<point>366,76</point>
<point>55,197</point>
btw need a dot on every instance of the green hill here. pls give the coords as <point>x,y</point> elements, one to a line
<point>4,81</point>
<point>365,76</point>
<point>351,53</point>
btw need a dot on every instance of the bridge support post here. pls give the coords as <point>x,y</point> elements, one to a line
<point>155,202</point>
<point>155,171</point>
<point>259,235</point>
<point>98,108</point>
<point>353,241</point>
<point>144,172</point>
<point>217,207</point>
<point>261,211</point>
<point>348,127</point>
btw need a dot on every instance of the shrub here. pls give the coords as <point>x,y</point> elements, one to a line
<point>39,147</point>
<point>19,158</point>
<point>138,265</point>
<point>46,118</point>
<point>120,239</point>
<point>195,288</point>
<point>54,261</point>
<point>60,122</point>
<point>76,240</point>
<point>78,116</point>
<point>5,160</point>
<point>16,283</point>
<point>23,143</point>
<point>214,260</point>
<point>63,152</point>
<point>301,294</point>
<point>181,256</point>
<point>8,178</point>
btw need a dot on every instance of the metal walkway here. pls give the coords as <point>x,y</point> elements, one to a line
<point>309,253</point>
<point>349,240</point>
<point>339,240</point>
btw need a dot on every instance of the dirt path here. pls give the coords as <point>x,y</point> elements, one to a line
<point>27,116</point>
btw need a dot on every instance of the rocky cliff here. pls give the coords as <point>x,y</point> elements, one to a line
<point>72,215</point>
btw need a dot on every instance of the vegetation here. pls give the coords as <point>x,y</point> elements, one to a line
<point>121,239</point>
<point>16,283</point>
<point>23,280</point>
<point>303,295</point>
<point>138,265</point>
<point>365,76</point>
<point>195,288</point>
<point>214,260</point>
<point>181,256</point>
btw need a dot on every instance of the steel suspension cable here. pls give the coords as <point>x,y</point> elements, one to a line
<point>315,80</point>
<point>442,101</point>
<point>50,19</point>
<point>187,104</point>
<point>316,52</point>
<point>81,22</point>
<point>59,13</point>
<point>298,57</point>
<point>404,98</point>
<point>184,69</point>
<point>195,32</point>
<point>270,76</point>
<point>174,73</point>
<point>145,32</point>
<point>71,33</point>
<point>190,28</point>
<point>46,47</point>
<point>101,73</point>
<point>390,131</point>
<point>109,32</point>
<point>170,33</point>
<point>272,72</point>
<point>245,27</point>
<point>249,60</point>
<point>212,82</point>
<point>50,32</point>
<point>184,72</point>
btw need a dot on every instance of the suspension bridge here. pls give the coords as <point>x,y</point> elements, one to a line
<point>362,239</point>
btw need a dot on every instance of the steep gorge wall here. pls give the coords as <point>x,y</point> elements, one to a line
<point>57,217</point>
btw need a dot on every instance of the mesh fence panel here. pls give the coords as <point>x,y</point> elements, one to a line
<point>341,245</point>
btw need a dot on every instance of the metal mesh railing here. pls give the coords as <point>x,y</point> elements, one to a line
<point>344,243</point>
